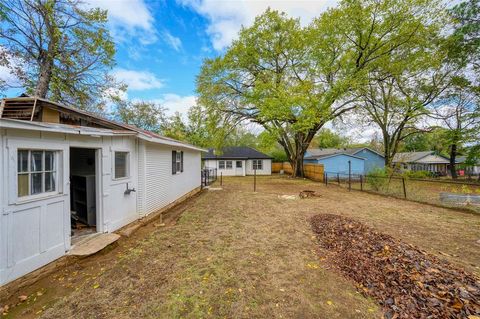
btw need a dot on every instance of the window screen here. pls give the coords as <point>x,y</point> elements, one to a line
<point>121,164</point>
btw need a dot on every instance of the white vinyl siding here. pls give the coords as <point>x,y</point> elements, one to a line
<point>161,186</point>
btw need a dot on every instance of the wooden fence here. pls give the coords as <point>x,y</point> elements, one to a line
<point>312,171</point>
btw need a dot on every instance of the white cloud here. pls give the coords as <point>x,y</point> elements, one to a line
<point>226,17</point>
<point>128,19</point>
<point>177,103</point>
<point>130,13</point>
<point>172,41</point>
<point>138,80</point>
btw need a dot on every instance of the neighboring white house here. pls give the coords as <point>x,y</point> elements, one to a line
<point>62,167</point>
<point>422,161</point>
<point>238,161</point>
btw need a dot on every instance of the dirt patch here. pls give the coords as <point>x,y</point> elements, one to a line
<point>407,282</point>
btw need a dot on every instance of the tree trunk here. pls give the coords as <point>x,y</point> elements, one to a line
<point>297,166</point>
<point>47,56</point>
<point>44,76</point>
<point>453,155</point>
<point>296,152</point>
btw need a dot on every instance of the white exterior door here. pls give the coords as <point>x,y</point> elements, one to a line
<point>239,168</point>
<point>35,218</point>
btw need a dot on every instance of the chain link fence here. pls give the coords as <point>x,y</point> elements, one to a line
<point>439,192</point>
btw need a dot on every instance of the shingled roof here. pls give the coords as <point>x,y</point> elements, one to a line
<point>234,152</point>
<point>324,152</point>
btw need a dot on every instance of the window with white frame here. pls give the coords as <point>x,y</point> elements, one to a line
<point>36,172</point>
<point>121,165</point>
<point>257,164</point>
<point>229,165</point>
<point>221,164</point>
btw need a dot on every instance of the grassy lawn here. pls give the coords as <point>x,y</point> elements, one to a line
<point>238,254</point>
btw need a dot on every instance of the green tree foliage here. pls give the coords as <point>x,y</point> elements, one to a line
<point>434,140</point>
<point>399,91</point>
<point>175,128</point>
<point>292,80</point>
<point>467,33</point>
<point>459,114</point>
<point>326,138</point>
<point>142,114</point>
<point>57,49</point>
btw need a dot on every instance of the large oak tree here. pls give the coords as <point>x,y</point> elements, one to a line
<point>292,79</point>
<point>58,49</point>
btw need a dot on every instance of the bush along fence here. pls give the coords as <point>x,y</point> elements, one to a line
<point>440,192</point>
<point>208,176</point>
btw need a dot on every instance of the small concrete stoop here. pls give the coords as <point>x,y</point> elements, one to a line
<point>93,244</point>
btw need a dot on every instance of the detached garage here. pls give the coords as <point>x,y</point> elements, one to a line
<point>66,174</point>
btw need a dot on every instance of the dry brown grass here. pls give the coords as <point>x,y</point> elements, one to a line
<point>238,254</point>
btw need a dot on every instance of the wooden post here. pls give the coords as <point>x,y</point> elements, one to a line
<point>221,178</point>
<point>33,109</point>
<point>255,179</point>
<point>349,175</point>
<point>326,179</point>
<point>361,182</point>
<point>338,178</point>
<point>404,188</point>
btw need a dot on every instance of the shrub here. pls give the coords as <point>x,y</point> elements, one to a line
<point>377,178</point>
<point>417,174</point>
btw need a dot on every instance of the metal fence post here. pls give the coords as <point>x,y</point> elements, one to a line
<point>338,178</point>
<point>349,175</point>
<point>326,179</point>
<point>404,188</point>
<point>361,182</point>
<point>221,178</point>
<point>255,180</point>
<point>201,179</point>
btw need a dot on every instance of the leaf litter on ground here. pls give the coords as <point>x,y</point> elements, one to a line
<point>406,281</point>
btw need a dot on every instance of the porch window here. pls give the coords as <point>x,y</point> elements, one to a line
<point>121,165</point>
<point>36,172</point>
<point>221,164</point>
<point>257,164</point>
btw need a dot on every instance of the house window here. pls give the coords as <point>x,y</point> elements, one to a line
<point>177,162</point>
<point>36,172</point>
<point>239,164</point>
<point>121,165</point>
<point>221,164</point>
<point>257,164</point>
<point>229,165</point>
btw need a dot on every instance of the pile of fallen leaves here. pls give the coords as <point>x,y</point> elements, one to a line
<point>407,282</point>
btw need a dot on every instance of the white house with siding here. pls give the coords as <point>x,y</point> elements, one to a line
<point>63,171</point>
<point>238,161</point>
<point>422,161</point>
